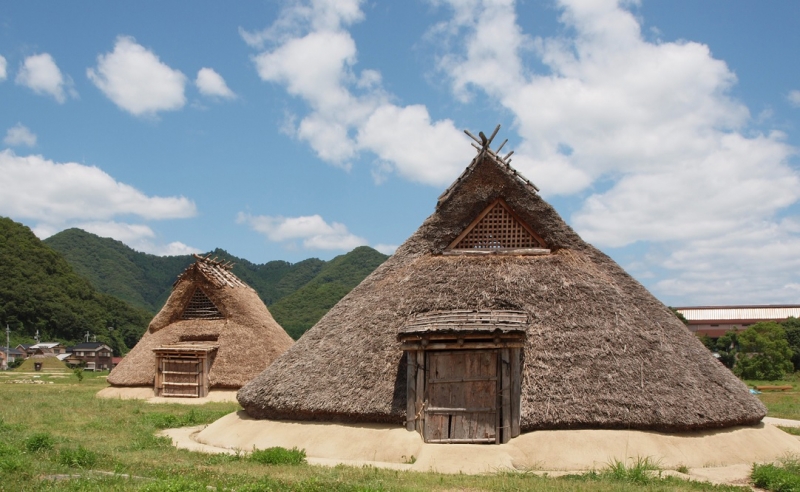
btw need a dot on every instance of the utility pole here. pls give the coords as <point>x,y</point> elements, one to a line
<point>87,337</point>
<point>8,334</point>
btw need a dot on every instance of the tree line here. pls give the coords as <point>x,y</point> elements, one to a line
<point>764,351</point>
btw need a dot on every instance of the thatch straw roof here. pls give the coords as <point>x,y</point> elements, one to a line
<point>600,352</point>
<point>209,304</point>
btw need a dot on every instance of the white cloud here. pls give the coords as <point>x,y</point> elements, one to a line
<point>55,194</point>
<point>387,249</point>
<point>140,237</point>
<point>211,84</point>
<point>794,98</point>
<point>41,74</point>
<point>313,56</point>
<point>677,163</point>
<point>3,66</point>
<point>137,81</point>
<point>314,232</point>
<point>19,135</point>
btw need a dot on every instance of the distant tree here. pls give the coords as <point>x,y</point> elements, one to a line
<point>764,352</point>
<point>679,316</point>
<point>792,328</point>
<point>709,342</point>
<point>727,347</point>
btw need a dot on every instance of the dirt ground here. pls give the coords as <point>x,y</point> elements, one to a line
<point>724,456</point>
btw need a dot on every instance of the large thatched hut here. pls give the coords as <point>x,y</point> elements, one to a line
<point>496,318</point>
<point>214,332</point>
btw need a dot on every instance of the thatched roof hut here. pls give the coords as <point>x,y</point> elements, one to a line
<point>211,316</point>
<point>495,266</point>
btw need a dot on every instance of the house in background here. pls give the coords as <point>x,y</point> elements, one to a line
<point>12,354</point>
<point>714,321</point>
<point>42,348</point>
<point>94,356</point>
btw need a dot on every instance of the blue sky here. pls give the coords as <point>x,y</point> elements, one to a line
<point>665,132</point>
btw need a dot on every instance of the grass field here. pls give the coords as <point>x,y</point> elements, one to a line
<point>58,436</point>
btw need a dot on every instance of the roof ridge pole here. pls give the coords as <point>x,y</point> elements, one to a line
<point>496,129</point>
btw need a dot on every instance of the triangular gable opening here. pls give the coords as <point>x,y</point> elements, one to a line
<point>498,229</point>
<point>201,307</point>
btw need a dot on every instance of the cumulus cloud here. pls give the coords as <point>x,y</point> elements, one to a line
<point>3,66</point>
<point>56,196</point>
<point>387,249</point>
<point>40,74</point>
<point>310,53</point>
<point>137,81</point>
<point>138,236</point>
<point>211,84</point>
<point>649,131</point>
<point>314,232</point>
<point>19,135</point>
<point>794,98</point>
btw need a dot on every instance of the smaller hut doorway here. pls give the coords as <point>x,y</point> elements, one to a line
<point>464,375</point>
<point>182,370</point>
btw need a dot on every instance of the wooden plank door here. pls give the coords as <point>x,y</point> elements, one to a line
<point>461,392</point>
<point>181,377</point>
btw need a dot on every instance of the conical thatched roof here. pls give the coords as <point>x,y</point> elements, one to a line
<point>209,304</point>
<point>600,352</point>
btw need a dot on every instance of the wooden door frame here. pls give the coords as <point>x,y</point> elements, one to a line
<point>187,352</point>
<point>509,349</point>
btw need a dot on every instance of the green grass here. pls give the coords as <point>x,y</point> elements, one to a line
<point>278,456</point>
<point>60,437</point>
<point>784,477</point>
<point>781,404</point>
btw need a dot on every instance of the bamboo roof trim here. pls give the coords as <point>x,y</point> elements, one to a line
<point>484,150</point>
<point>217,272</point>
<point>465,321</point>
<point>189,347</point>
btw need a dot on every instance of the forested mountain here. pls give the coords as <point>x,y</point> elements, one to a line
<point>113,268</point>
<point>40,291</point>
<point>297,294</point>
<point>299,311</point>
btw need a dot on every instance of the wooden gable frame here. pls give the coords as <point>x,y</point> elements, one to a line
<point>498,229</point>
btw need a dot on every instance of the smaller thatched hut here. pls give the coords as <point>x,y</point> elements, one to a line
<point>214,332</point>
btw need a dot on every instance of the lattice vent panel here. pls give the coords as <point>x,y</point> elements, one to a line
<point>201,307</point>
<point>498,230</point>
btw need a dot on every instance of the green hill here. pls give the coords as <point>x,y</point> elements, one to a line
<point>297,294</point>
<point>299,311</point>
<point>113,268</point>
<point>39,290</point>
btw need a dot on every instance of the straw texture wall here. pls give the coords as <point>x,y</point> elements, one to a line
<point>249,338</point>
<point>601,351</point>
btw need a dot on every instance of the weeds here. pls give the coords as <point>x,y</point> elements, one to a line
<point>77,458</point>
<point>639,472</point>
<point>783,478</point>
<point>41,441</point>
<point>279,456</point>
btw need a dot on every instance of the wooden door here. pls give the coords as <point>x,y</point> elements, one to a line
<point>461,392</point>
<point>181,377</point>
